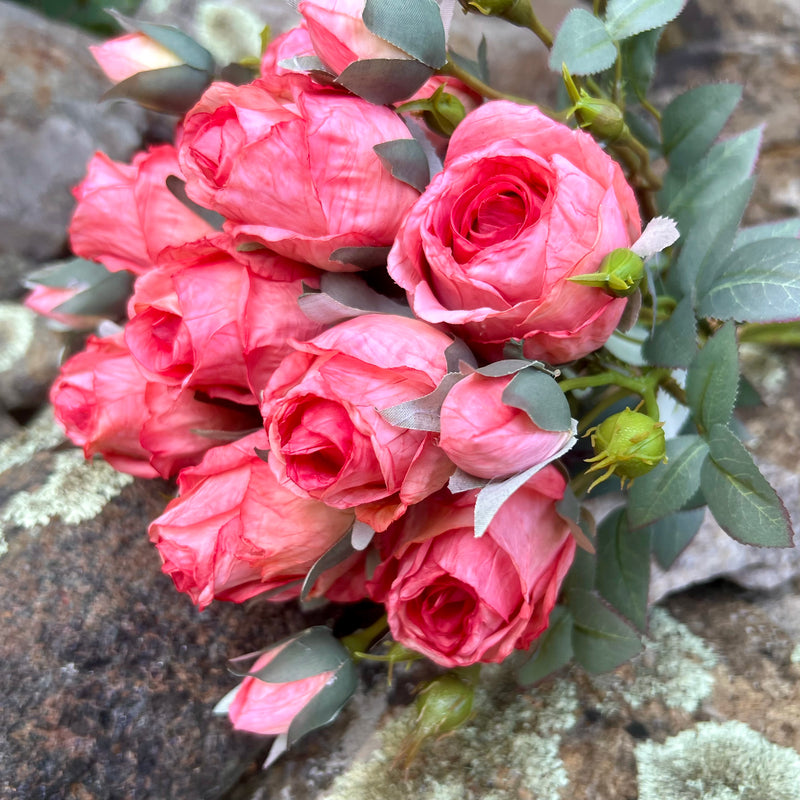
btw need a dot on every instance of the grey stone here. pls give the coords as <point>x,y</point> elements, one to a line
<point>50,124</point>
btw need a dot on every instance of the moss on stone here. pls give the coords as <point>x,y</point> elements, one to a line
<point>713,761</point>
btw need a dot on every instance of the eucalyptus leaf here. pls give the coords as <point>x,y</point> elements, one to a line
<point>540,397</point>
<point>325,706</point>
<point>510,366</point>
<point>740,498</point>
<point>415,26</point>
<point>361,257</point>
<point>422,413</point>
<point>784,229</point>
<point>713,379</point>
<point>352,297</point>
<point>601,640</point>
<point>553,651</point>
<point>384,80</point>
<point>583,44</point>
<point>626,18</point>
<point>674,343</point>
<point>623,567</point>
<point>311,652</point>
<point>107,298</point>
<point>668,486</point>
<point>334,555</point>
<point>670,535</point>
<point>406,160</point>
<point>177,187</point>
<point>69,274</point>
<point>461,481</point>
<point>759,282</point>
<point>694,119</point>
<point>172,90</point>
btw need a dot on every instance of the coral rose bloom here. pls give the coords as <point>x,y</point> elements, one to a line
<point>321,413</point>
<point>522,204</point>
<point>460,600</point>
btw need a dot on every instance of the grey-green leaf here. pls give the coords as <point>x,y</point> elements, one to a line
<point>601,640</point>
<point>759,282</point>
<point>539,396</point>
<point>554,648</point>
<point>626,18</point>
<point>106,298</point>
<point>623,567</point>
<point>415,26</point>
<point>738,495</point>
<point>422,413</point>
<point>172,90</point>
<point>330,558</point>
<point>784,229</point>
<point>713,379</point>
<point>668,486</point>
<point>639,61</point>
<point>674,343</point>
<point>325,706</point>
<point>693,120</point>
<point>66,274</point>
<point>406,160</point>
<point>361,257</point>
<point>583,44</point>
<point>312,652</point>
<point>670,536</point>
<point>384,80</point>
<point>178,188</point>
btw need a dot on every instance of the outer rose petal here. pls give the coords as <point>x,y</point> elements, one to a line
<point>124,56</point>
<point>461,600</point>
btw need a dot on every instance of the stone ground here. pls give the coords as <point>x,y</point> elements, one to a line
<point>109,676</point>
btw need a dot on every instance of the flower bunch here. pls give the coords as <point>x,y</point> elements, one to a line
<point>333,438</point>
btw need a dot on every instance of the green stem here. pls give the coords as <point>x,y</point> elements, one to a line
<point>779,334</point>
<point>606,403</point>
<point>361,640</point>
<point>645,386</point>
<point>521,13</point>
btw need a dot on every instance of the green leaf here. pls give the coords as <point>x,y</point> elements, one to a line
<point>581,575</point>
<point>785,229</point>
<point>709,240</point>
<point>478,68</point>
<point>693,120</point>
<point>713,379</point>
<point>668,486</point>
<point>623,567</point>
<point>583,44</point>
<point>176,41</point>
<point>554,648</point>
<point>334,555</point>
<point>626,18</point>
<point>311,652</point>
<point>725,167</point>
<point>383,81</point>
<point>66,274</point>
<point>601,640</point>
<point>361,257</point>
<point>106,298</point>
<point>674,343</point>
<point>172,90</point>
<point>759,282</point>
<point>539,396</point>
<point>639,61</point>
<point>740,498</point>
<point>670,536</point>
<point>415,26</point>
<point>325,706</point>
<point>406,160</point>
<point>177,187</point>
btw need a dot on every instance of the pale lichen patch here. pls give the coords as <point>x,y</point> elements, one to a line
<point>675,668</point>
<point>17,325</point>
<point>713,761</point>
<point>41,433</point>
<point>230,33</point>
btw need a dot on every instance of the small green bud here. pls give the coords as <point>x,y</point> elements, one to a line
<point>444,113</point>
<point>627,444</point>
<point>489,8</point>
<point>602,117</point>
<point>620,273</point>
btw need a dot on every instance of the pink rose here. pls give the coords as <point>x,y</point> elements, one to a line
<point>203,319</point>
<point>270,708</point>
<point>126,215</point>
<point>124,56</point>
<point>487,438</point>
<point>300,177</point>
<point>339,35</point>
<point>522,204</point>
<point>321,413</point>
<point>278,80</point>
<point>459,600</point>
<point>234,532</point>
<point>107,407</point>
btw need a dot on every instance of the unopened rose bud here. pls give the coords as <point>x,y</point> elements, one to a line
<point>620,273</point>
<point>627,444</point>
<point>602,117</point>
<point>445,112</point>
<point>489,8</point>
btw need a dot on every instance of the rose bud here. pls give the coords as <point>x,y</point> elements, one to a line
<point>234,532</point>
<point>490,245</point>
<point>620,273</point>
<point>459,599</point>
<point>234,137</point>
<point>124,56</point>
<point>126,215</point>
<point>321,411</point>
<point>627,444</point>
<point>485,437</point>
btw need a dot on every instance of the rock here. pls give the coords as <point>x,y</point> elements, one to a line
<point>50,124</point>
<point>13,269</point>
<point>109,675</point>
<point>30,355</point>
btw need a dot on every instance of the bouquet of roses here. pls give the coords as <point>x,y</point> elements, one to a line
<point>388,329</point>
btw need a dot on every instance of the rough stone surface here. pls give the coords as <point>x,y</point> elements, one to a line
<point>109,676</point>
<point>50,124</point>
